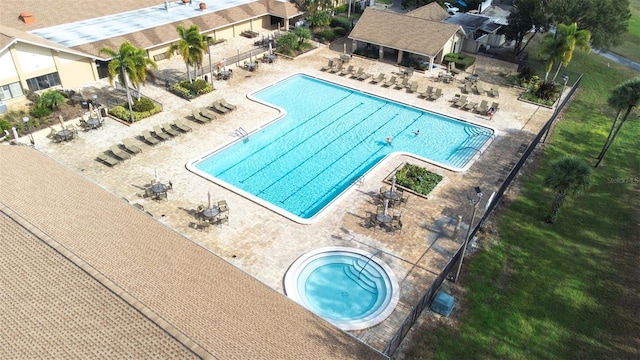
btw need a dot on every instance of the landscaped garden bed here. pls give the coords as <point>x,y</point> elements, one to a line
<point>416,179</point>
<point>187,90</point>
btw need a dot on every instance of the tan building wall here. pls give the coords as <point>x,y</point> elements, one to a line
<point>74,70</point>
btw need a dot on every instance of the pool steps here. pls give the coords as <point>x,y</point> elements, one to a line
<point>470,147</point>
<point>359,273</point>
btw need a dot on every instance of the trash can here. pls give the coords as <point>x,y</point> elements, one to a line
<point>443,304</point>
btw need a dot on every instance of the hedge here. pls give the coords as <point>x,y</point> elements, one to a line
<point>462,61</point>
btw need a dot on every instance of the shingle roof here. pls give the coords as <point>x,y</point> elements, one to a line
<point>194,295</point>
<point>399,31</point>
<point>432,11</point>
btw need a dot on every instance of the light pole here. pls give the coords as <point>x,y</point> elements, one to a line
<point>210,65</point>
<point>475,203</point>
<point>27,125</point>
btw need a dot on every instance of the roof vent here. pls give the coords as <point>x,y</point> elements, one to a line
<point>27,17</point>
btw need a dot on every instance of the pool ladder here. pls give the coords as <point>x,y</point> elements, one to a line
<point>240,132</point>
<point>368,260</point>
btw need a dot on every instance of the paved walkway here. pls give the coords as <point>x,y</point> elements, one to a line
<point>265,244</point>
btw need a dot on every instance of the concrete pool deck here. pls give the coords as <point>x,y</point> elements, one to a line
<point>263,243</point>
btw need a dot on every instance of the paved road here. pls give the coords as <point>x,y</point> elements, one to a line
<point>619,59</point>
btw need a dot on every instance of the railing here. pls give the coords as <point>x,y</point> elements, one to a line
<point>428,296</point>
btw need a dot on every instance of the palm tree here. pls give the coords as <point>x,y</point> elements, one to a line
<point>624,97</point>
<point>568,175</point>
<point>142,63</point>
<point>123,64</point>
<point>558,47</point>
<point>191,47</point>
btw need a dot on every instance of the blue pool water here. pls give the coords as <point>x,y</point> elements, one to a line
<point>345,286</point>
<point>331,136</point>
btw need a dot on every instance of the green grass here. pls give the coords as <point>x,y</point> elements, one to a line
<point>629,47</point>
<point>567,290</point>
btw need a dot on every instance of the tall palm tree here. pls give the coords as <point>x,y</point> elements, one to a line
<point>558,47</point>
<point>142,63</point>
<point>123,66</point>
<point>624,97</point>
<point>568,175</point>
<point>191,47</point>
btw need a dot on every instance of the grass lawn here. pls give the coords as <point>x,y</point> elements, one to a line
<point>629,47</point>
<point>568,290</point>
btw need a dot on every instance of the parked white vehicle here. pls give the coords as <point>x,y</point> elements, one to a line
<point>451,9</point>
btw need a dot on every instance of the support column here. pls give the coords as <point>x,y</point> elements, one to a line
<point>380,52</point>
<point>400,56</point>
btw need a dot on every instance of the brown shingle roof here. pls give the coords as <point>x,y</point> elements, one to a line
<point>216,306</point>
<point>432,12</point>
<point>399,31</point>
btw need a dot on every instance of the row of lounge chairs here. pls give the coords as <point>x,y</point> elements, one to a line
<point>462,102</point>
<point>479,89</point>
<point>205,115</point>
<point>120,152</point>
<point>430,93</point>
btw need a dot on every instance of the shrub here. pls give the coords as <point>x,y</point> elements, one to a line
<point>5,124</point>
<point>50,99</point>
<point>181,91</point>
<point>320,18</point>
<point>326,35</point>
<point>461,61</point>
<point>417,179</point>
<point>40,111</point>
<point>547,91</point>
<point>122,113</point>
<point>142,105</point>
<point>340,21</point>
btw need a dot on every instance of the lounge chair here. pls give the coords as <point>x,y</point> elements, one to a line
<point>413,87</point>
<point>402,84</point>
<point>148,138</point>
<point>122,155</point>
<point>461,101</point>
<point>426,93</point>
<point>357,74</point>
<point>199,118</point>
<point>495,105</point>
<point>469,106</point>
<point>494,92</point>
<point>390,82</point>
<point>181,126</point>
<point>378,79</point>
<point>435,95</point>
<point>108,160</point>
<point>467,88</point>
<point>224,103</point>
<point>128,144</point>
<point>346,71</point>
<point>329,66</point>
<point>480,89</point>
<point>364,76</point>
<point>482,108</point>
<point>219,108</point>
<point>158,132</point>
<point>208,113</point>
<point>336,69</point>
<point>169,130</point>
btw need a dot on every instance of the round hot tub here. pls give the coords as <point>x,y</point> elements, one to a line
<point>348,287</point>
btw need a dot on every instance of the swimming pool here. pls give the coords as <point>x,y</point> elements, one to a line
<point>328,137</point>
<point>348,287</point>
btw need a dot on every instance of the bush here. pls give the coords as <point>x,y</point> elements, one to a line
<point>187,90</point>
<point>142,105</point>
<point>461,61</point>
<point>417,179</point>
<point>40,111</point>
<point>547,91</point>
<point>320,18</point>
<point>370,53</point>
<point>122,113</point>
<point>50,99</point>
<point>340,21</point>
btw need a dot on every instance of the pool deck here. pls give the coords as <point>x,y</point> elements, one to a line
<point>263,243</point>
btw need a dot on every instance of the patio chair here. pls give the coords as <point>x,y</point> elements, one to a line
<point>108,160</point>
<point>469,106</point>
<point>181,126</point>
<point>436,94</point>
<point>413,87</point>
<point>480,89</point>
<point>158,132</point>
<point>219,108</point>
<point>130,147</point>
<point>222,206</point>
<point>396,226</point>
<point>148,138</point>
<point>222,220</point>
<point>494,92</point>
<point>364,76</point>
<point>467,88</point>
<point>482,108</point>
<point>402,84</point>
<point>461,101</point>
<point>199,118</point>
<point>426,93</point>
<point>203,225</point>
<point>392,81</point>
<point>336,68</point>
<point>52,133</point>
<point>329,66</point>
<point>346,71</point>
<point>372,222</point>
<point>356,74</point>
<point>224,103</point>
<point>169,130</point>
<point>378,79</point>
<point>495,105</point>
<point>208,114</point>
<point>122,155</point>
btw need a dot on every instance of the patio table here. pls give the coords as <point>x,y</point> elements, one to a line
<point>93,122</point>
<point>391,195</point>
<point>211,212</point>
<point>65,135</point>
<point>384,218</point>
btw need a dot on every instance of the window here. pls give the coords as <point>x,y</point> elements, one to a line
<point>10,91</point>
<point>43,82</point>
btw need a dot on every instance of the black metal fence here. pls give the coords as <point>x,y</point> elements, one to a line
<point>428,296</point>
